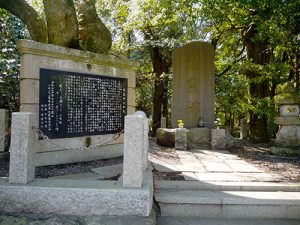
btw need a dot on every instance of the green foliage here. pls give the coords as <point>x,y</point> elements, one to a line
<point>11,30</point>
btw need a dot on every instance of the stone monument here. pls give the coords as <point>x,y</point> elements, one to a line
<point>193,85</point>
<point>71,92</point>
<point>288,135</point>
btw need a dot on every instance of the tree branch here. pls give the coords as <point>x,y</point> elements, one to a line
<point>237,59</point>
<point>35,25</point>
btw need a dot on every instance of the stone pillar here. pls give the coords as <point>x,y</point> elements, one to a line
<point>181,139</point>
<point>193,85</point>
<point>243,129</point>
<point>3,129</point>
<point>146,138</point>
<point>23,137</point>
<point>163,122</point>
<point>133,151</point>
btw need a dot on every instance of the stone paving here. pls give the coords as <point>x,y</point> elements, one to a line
<point>209,165</point>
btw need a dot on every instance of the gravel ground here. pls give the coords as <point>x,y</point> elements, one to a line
<point>65,169</point>
<point>285,168</point>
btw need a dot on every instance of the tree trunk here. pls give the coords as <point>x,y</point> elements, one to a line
<point>35,24</point>
<point>62,23</point>
<point>160,66</point>
<point>93,34</point>
<point>257,51</point>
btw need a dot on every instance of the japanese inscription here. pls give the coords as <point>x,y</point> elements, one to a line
<point>76,104</point>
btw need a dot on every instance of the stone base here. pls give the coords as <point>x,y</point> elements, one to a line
<point>165,137</point>
<point>280,151</point>
<point>221,139</point>
<point>199,138</point>
<point>74,197</point>
<point>78,155</point>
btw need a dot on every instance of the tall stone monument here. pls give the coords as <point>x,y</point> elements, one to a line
<point>193,85</point>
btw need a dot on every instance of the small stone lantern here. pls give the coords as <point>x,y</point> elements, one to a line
<point>288,102</point>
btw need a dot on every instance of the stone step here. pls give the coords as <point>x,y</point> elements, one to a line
<point>227,186</point>
<point>229,204</point>
<point>166,220</point>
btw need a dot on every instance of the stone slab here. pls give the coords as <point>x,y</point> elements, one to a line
<point>109,171</point>
<point>240,177</point>
<point>79,176</point>
<point>42,219</point>
<point>65,197</point>
<point>216,166</point>
<point>78,155</point>
<point>242,166</point>
<point>227,186</point>
<point>167,220</point>
<point>288,120</point>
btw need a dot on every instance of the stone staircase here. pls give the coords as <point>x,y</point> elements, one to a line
<point>200,199</point>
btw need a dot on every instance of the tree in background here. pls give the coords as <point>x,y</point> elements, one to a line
<point>149,31</point>
<point>63,23</point>
<point>11,30</point>
<point>252,37</point>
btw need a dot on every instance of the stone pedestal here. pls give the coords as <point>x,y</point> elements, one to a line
<point>193,85</point>
<point>181,139</point>
<point>199,138</point>
<point>133,151</point>
<point>288,134</point>
<point>23,137</point>
<point>3,129</point>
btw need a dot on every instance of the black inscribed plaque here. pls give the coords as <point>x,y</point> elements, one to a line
<point>76,104</point>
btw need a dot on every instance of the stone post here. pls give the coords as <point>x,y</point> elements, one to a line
<point>22,163</point>
<point>133,151</point>
<point>243,129</point>
<point>181,139</point>
<point>163,122</point>
<point>3,129</point>
<point>145,138</point>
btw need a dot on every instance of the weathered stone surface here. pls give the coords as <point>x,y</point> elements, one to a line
<point>22,164</point>
<point>133,151</point>
<point>181,139</point>
<point>91,197</point>
<point>288,136</point>
<point>3,129</point>
<point>221,139</point>
<point>287,120</point>
<point>109,171</point>
<point>163,122</point>
<point>146,138</point>
<point>199,138</point>
<point>289,110</point>
<point>72,155</point>
<point>193,84</point>
<point>165,137</point>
